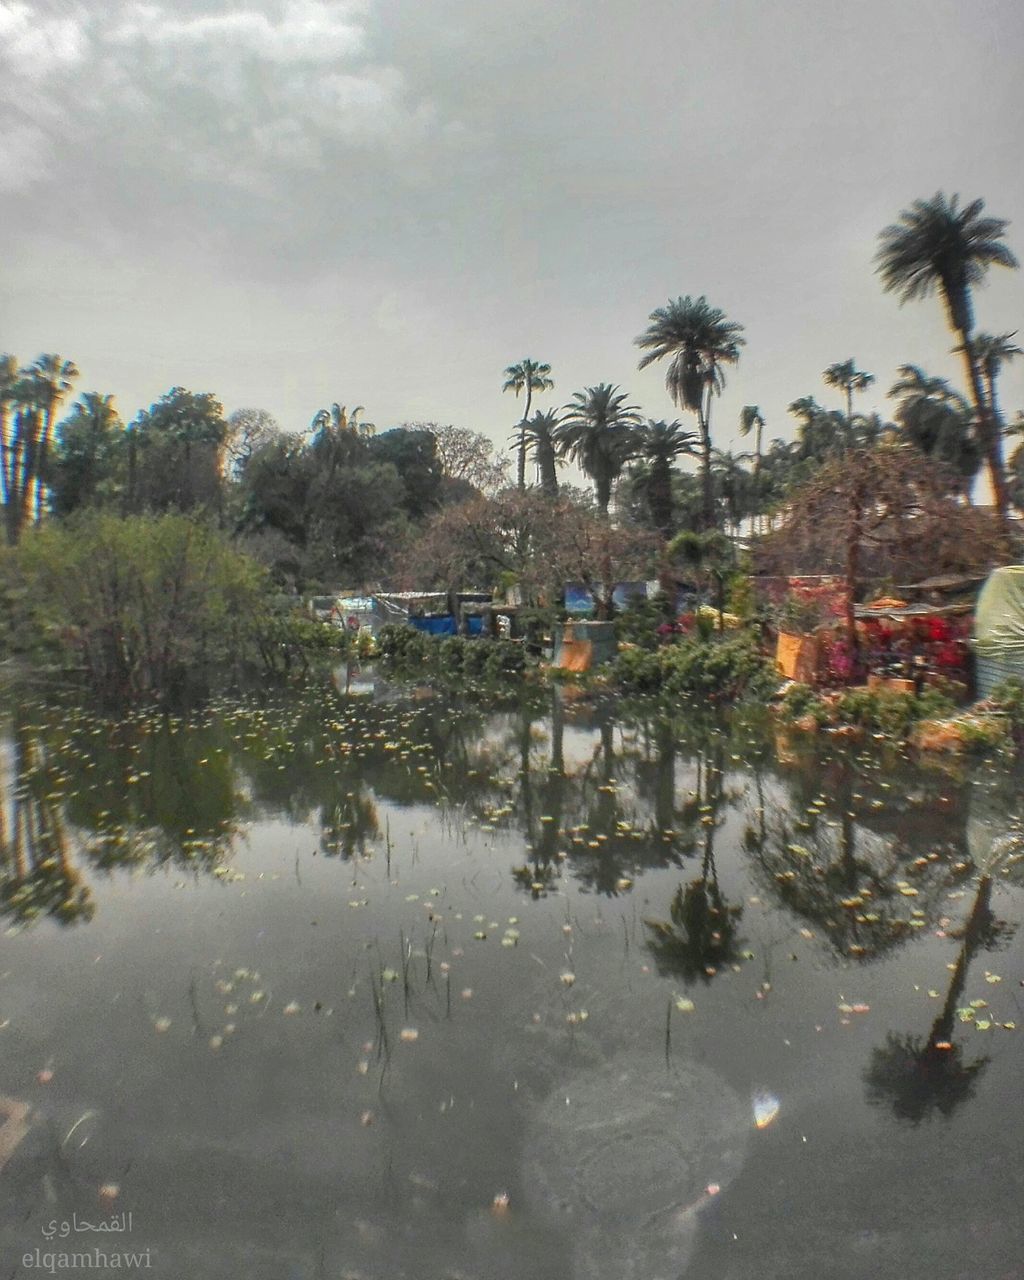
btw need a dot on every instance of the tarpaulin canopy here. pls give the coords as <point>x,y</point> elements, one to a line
<point>999,618</point>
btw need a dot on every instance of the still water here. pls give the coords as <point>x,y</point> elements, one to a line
<point>370,982</point>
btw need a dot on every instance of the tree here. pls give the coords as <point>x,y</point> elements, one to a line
<point>412,452</point>
<point>467,459</point>
<point>992,351</point>
<point>698,341</point>
<point>174,453</point>
<point>247,431</point>
<point>52,377</point>
<point>848,378</point>
<point>659,445</point>
<point>86,465</point>
<point>939,421</point>
<point>733,485</point>
<point>937,246</point>
<point>752,420</point>
<point>540,542</point>
<point>529,376</point>
<point>709,557</point>
<point>881,512</point>
<point>599,434</point>
<point>541,436</point>
<point>337,418</point>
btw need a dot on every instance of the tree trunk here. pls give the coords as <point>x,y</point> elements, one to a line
<point>522,440</point>
<point>852,574</point>
<point>988,429</point>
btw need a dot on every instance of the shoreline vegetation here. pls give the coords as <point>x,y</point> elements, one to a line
<point>174,555</point>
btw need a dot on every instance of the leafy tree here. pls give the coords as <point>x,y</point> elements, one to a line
<point>541,436</point>
<point>848,379</point>
<point>86,466</point>
<point>413,453</point>
<point>708,556</point>
<point>529,376</point>
<point>599,434</point>
<point>659,444</point>
<point>467,459</point>
<point>938,247</point>
<point>939,421</point>
<point>698,340</point>
<point>247,431</point>
<point>539,542</point>
<point>174,453</point>
<point>145,605</point>
<point>880,512</point>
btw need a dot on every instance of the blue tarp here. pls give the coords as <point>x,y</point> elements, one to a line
<point>474,625</point>
<point>435,626</point>
<point>578,599</point>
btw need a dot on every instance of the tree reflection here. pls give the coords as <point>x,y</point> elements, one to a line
<point>701,937</point>
<point>38,875</point>
<point>917,1079</point>
<point>866,890</point>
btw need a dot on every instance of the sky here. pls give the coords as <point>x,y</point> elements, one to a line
<point>386,202</point>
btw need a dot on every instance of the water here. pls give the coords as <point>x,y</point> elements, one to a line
<point>298,983</point>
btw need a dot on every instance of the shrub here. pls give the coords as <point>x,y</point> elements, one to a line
<point>720,668</point>
<point>145,606</point>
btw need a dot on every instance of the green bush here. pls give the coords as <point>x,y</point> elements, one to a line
<point>146,606</point>
<point>458,656</point>
<point>720,668</point>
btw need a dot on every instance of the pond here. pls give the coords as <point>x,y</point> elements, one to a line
<point>362,981</point>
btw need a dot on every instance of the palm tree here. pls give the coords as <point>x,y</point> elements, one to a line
<point>752,420</point>
<point>10,376</point>
<point>659,444</point>
<point>937,246</point>
<point>86,440</point>
<point>53,377</point>
<point>338,419</point>
<point>992,351</point>
<point>599,434</point>
<point>848,378</point>
<point>540,435</point>
<point>529,376</point>
<point>733,483</point>
<point>709,557</point>
<point>938,420</point>
<point>698,340</point>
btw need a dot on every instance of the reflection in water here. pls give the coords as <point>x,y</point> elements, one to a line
<point>38,874</point>
<point>646,845</point>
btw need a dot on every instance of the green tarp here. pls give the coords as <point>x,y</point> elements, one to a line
<point>999,617</point>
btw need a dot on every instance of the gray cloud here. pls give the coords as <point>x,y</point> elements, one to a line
<point>296,201</point>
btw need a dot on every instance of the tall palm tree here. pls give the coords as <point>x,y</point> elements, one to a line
<point>992,351</point>
<point>529,376</point>
<point>659,444</point>
<point>752,420</point>
<point>698,341</point>
<point>937,246</point>
<point>938,420</point>
<point>848,378</point>
<point>10,376</point>
<point>53,377</point>
<point>599,434</point>
<point>541,438</point>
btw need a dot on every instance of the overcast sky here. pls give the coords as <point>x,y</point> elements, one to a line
<point>385,202</point>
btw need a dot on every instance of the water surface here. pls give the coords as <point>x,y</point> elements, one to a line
<point>292,978</point>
